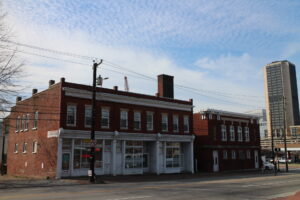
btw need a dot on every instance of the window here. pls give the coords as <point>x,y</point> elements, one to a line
<point>88,116</point>
<point>173,155</point>
<point>164,122</point>
<point>248,154</point>
<point>233,154</point>
<point>247,137</point>
<point>27,122</point>
<point>124,119</point>
<point>224,133</point>
<point>71,115</point>
<point>134,154</point>
<point>34,147</point>
<point>137,120</point>
<point>18,124</point>
<point>225,155</point>
<point>24,147</point>
<point>232,135</point>
<point>175,123</point>
<point>16,148</point>
<point>104,117</point>
<point>35,121</point>
<point>23,122</point>
<point>218,117</point>
<point>149,118</point>
<point>209,116</point>
<point>82,154</point>
<point>186,124</point>
<point>240,136</point>
<point>203,116</point>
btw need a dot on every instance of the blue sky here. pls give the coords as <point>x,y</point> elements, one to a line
<point>218,47</point>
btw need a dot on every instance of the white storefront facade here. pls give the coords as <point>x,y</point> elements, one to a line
<point>122,153</point>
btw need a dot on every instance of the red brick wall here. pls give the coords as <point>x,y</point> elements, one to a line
<point>47,103</point>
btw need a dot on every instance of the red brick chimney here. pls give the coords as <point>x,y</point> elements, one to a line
<point>165,86</point>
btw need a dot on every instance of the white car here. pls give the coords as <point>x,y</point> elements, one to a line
<point>268,166</point>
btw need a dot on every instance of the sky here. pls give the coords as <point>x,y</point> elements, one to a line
<point>215,49</point>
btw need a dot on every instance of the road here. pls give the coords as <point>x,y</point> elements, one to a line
<point>246,186</point>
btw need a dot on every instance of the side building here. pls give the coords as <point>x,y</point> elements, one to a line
<point>226,141</point>
<point>135,133</point>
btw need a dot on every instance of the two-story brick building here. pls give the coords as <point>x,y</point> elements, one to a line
<point>135,133</point>
<point>226,141</point>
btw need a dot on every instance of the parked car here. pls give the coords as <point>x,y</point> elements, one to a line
<point>268,166</point>
<point>282,160</point>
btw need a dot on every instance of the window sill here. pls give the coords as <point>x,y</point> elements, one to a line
<point>16,131</point>
<point>34,152</point>
<point>15,152</point>
<point>21,130</point>
<point>24,152</point>
<point>71,125</point>
<point>124,128</point>
<point>25,130</point>
<point>105,127</point>
<point>35,128</point>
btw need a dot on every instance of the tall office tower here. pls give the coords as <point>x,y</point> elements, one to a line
<point>280,89</point>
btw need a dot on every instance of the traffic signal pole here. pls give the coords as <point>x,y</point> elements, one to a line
<point>92,175</point>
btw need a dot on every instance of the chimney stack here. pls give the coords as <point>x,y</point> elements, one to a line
<point>51,82</point>
<point>18,99</point>
<point>116,88</point>
<point>165,86</point>
<point>34,91</point>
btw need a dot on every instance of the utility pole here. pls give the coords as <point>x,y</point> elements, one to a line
<point>91,173</point>
<point>284,136</point>
<point>272,138</point>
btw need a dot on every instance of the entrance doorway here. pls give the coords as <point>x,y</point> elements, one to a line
<point>215,161</point>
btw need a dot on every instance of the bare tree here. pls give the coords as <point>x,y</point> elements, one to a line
<point>10,65</point>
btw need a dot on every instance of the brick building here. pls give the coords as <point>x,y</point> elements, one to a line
<point>226,141</point>
<point>135,133</point>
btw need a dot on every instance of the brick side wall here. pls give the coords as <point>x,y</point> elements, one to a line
<point>42,163</point>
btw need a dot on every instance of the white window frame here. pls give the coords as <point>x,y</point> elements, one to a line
<point>25,147</point>
<point>23,119</point>
<point>137,118</point>
<point>233,154</point>
<point>186,124</point>
<point>34,146</point>
<point>16,148</point>
<point>35,120</point>
<point>86,109</point>
<point>224,132</point>
<point>209,116</point>
<point>240,134</point>
<point>75,114</point>
<point>149,124</point>
<point>164,120</point>
<point>247,135</point>
<point>18,124</point>
<point>124,116</point>
<point>203,116</point>
<point>26,122</point>
<point>104,111</point>
<point>232,134</point>
<point>176,123</point>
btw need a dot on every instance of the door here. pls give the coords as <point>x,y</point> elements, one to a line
<point>215,161</point>
<point>65,166</point>
<point>256,161</point>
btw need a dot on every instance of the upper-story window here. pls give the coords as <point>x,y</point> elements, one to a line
<point>71,115</point>
<point>240,135</point>
<point>247,136</point>
<point>104,117</point>
<point>203,116</point>
<point>23,122</point>
<point>186,124</point>
<point>218,117</point>
<point>164,122</point>
<point>16,148</point>
<point>124,119</point>
<point>35,120</point>
<point>137,120</point>
<point>24,147</point>
<point>18,124</point>
<point>233,154</point>
<point>27,122</point>
<point>175,123</point>
<point>88,116</point>
<point>34,147</point>
<point>149,118</point>
<point>224,132</point>
<point>232,134</point>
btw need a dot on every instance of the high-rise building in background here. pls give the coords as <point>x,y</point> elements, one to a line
<point>281,96</point>
<point>262,120</point>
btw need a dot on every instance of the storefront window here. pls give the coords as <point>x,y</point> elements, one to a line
<point>82,154</point>
<point>134,154</point>
<point>173,155</point>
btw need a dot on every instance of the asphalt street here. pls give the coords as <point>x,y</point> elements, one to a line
<point>245,186</point>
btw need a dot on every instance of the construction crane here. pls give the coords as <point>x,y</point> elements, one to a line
<point>126,87</point>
